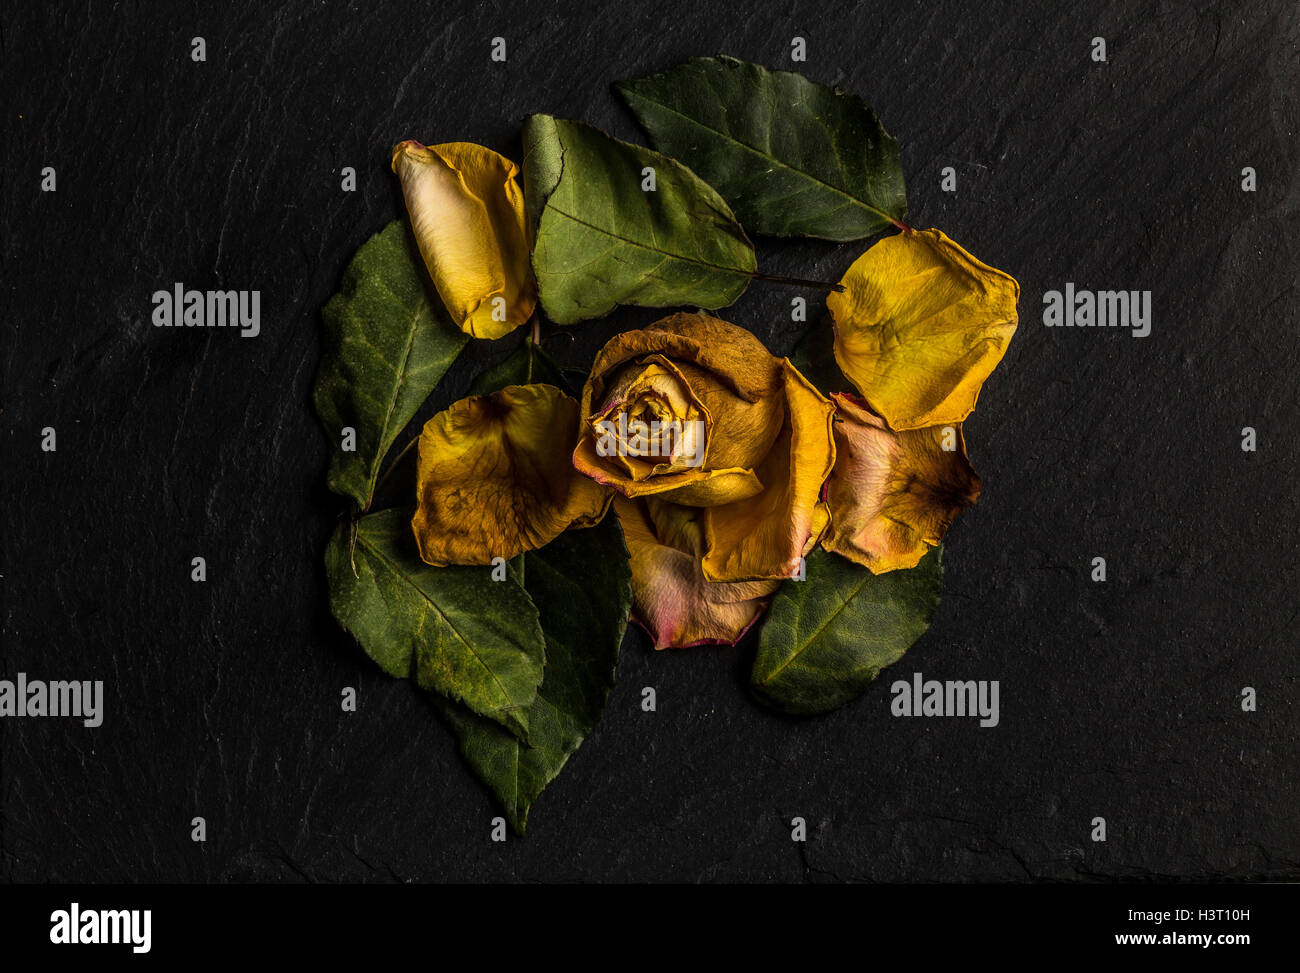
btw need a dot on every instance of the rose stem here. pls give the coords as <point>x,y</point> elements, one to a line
<point>820,285</point>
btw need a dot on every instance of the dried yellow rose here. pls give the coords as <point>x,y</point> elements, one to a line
<point>697,412</point>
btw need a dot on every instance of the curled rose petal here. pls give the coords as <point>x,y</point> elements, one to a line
<point>765,535</point>
<point>467,213</point>
<point>893,495</point>
<point>495,479</point>
<point>673,601</point>
<point>919,327</point>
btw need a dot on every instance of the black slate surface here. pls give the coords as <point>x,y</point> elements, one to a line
<point>1119,700</point>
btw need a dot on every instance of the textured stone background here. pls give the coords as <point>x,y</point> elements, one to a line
<point>1118,699</point>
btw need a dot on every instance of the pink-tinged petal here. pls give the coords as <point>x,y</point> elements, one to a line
<point>893,495</point>
<point>673,601</point>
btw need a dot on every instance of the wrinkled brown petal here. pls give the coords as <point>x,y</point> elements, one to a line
<point>495,479</point>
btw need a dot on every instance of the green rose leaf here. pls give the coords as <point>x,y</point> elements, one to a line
<point>793,157</point>
<point>601,240</point>
<point>388,341</point>
<point>526,365</point>
<point>453,629</point>
<point>581,584</point>
<point>827,637</point>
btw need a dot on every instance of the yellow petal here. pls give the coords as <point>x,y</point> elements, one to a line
<point>919,327</point>
<point>672,599</point>
<point>467,213</point>
<point>764,536</point>
<point>893,495</point>
<point>495,479</point>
